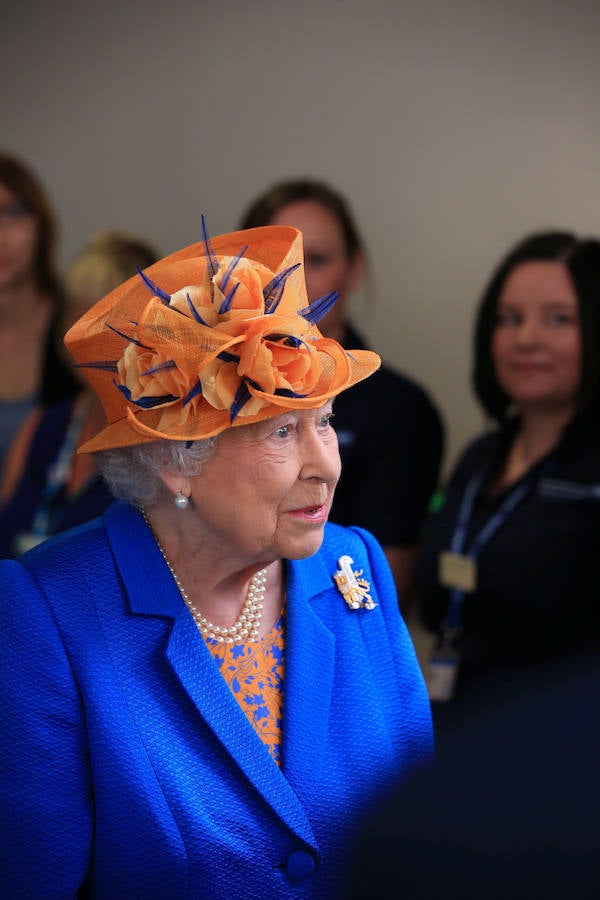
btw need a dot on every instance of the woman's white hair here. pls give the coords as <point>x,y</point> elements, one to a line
<point>132,473</point>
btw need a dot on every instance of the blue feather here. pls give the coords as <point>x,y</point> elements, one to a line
<point>156,290</point>
<point>286,392</point>
<point>126,336</point>
<point>194,311</point>
<point>145,402</point>
<point>163,367</point>
<point>226,304</point>
<point>230,268</point>
<point>226,356</point>
<point>295,342</point>
<point>194,392</point>
<point>314,312</point>
<point>288,339</point>
<point>104,365</point>
<point>273,291</point>
<point>213,262</point>
<point>242,395</point>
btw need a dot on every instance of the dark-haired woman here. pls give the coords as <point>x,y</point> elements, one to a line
<point>30,298</point>
<point>389,431</point>
<point>509,567</point>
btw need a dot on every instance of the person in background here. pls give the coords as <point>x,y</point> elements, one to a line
<point>202,689</point>
<point>389,432</point>
<point>508,572</point>
<point>31,370</point>
<point>47,487</point>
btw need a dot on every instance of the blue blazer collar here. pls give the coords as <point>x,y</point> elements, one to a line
<point>308,680</point>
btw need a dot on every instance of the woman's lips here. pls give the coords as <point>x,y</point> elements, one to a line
<point>529,368</point>
<point>311,513</point>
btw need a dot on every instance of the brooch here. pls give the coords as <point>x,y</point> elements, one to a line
<point>353,588</point>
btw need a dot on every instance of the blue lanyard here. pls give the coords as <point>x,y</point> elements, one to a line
<point>457,544</point>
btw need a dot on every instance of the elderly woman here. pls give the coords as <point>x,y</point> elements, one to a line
<point>202,689</point>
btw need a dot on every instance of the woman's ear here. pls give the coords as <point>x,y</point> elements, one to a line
<point>175,483</point>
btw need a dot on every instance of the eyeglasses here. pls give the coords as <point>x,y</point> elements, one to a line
<point>14,214</point>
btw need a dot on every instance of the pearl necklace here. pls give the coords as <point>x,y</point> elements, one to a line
<point>247,624</point>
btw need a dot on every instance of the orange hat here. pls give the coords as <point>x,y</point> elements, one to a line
<point>216,335</point>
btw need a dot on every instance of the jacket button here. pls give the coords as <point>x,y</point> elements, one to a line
<point>300,865</point>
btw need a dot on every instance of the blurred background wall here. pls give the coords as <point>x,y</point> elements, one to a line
<point>453,127</point>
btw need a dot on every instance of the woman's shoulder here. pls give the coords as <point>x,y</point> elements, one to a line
<point>55,579</point>
<point>340,540</point>
<point>66,557</point>
<point>356,548</point>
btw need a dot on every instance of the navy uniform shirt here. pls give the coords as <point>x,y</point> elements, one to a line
<point>391,441</point>
<point>538,578</point>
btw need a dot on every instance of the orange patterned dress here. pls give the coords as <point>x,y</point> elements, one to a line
<point>254,673</point>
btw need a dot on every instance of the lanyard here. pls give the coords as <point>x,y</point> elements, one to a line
<point>457,544</point>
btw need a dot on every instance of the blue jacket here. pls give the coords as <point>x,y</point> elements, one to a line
<point>127,767</point>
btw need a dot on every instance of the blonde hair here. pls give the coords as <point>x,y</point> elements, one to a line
<point>106,261</point>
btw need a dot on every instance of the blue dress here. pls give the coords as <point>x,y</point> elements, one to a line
<point>128,768</point>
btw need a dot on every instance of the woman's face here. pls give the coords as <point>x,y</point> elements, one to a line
<point>19,232</point>
<point>327,265</point>
<point>536,345</point>
<point>266,491</point>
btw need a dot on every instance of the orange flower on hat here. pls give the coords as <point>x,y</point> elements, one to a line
<point>149,378</point>
<point>220,383</point>
<point>276,356</point>
<point>234,292</point>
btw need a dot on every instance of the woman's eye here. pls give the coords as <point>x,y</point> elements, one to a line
<point>560,319</point>
<point>315,260</point>
<point>326,420</point>
<point>283,431</point>
<point>506,317</point>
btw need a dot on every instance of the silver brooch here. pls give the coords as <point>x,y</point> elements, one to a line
<point>353,588</point>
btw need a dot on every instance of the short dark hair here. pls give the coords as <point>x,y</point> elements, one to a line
<point>22,181</point>
<point>262,210</point>
<point>581,258</point>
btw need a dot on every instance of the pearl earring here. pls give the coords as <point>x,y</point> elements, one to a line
<point>181,501</point>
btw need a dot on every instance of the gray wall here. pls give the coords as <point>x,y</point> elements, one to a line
<point>453,127</point>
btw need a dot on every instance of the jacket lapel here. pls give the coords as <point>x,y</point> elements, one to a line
<point>200,678</point>
<point>309,668</point>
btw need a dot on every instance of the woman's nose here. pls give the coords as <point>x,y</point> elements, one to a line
<point>321,456</point>
<point>528,331</point>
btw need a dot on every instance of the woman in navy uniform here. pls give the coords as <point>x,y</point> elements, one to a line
<point>509,566</point>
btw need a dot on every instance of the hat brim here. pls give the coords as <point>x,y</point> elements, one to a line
<point>141,428</point>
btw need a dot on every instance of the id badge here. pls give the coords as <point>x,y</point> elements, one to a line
<point>440,677</point>
<point>457,571</point>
